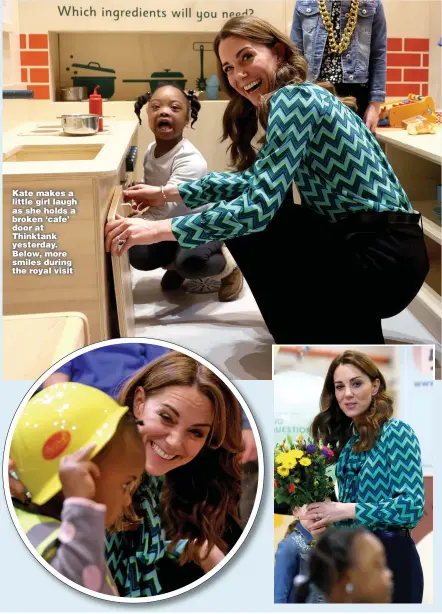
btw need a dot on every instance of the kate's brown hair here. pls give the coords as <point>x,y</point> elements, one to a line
<point>333,427</point>
<point>198,498</point>
<point>240,120</point>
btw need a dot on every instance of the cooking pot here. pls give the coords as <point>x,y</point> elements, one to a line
<point>73,93</point>
<point>80,124</point>
<point>107,85</point>
<point>158,79</point>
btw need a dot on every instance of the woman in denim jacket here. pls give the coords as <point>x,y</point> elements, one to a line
<point>357,69</point>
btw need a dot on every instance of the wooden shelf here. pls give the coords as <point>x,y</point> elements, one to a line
<point>431,221</point>
<point>434,255</point>
<point>426,146</point>
<point>427,308</point>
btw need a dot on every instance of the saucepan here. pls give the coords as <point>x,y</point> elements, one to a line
<point>80,124</point>
<point>73,93</point>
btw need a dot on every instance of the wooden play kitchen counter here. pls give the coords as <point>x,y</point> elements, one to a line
<point>416,161</point>
<point>57,194</point>
<point>47,337</point>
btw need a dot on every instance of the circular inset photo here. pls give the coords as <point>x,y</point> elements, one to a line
<point>135,470</point>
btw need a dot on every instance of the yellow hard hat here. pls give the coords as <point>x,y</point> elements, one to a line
<point>57,421</point>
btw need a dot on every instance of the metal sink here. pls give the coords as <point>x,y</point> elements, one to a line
<point>53,153</point>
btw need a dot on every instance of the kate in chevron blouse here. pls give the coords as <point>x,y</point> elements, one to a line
<point>351,254</point>
<point>379,467</point>
<point>193,419</point>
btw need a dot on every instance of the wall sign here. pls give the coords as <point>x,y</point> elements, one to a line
<point>136,16</point>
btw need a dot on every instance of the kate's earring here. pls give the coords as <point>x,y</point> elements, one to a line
<point>349,588</point>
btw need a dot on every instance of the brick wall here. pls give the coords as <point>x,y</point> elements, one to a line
<point>34,57</point>
<point>407,66</point>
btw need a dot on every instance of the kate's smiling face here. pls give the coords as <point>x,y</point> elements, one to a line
<point>177,421</point>
<point>250,67</point>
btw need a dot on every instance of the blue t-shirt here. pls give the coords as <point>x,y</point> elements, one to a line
<point>108,367</point>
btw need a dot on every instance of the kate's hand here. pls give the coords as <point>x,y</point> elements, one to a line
<point>124,233</point>
<point>143,196</point>
<point>329,512</point>
<point>214,557</point>
<point>78,474</point>
<point>16,487</point>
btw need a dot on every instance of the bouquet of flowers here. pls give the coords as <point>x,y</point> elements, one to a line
<point>301,472</point>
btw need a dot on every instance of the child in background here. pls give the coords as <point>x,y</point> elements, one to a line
<point>107,367</point>
<point>292,557</point>
<point>172,159</point>
<point>73,499</point>
<point>349,565</point>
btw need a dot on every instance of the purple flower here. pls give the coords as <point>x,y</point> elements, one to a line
<point>325,452</point>
<point>310,449</point>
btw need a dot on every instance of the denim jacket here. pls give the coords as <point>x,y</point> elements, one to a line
<point>365,61</point>
<point>291,559</point>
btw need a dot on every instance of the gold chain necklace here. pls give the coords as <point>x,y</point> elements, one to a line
<point>344,43</point>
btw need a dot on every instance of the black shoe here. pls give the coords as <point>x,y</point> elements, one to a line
<point>172,281</point>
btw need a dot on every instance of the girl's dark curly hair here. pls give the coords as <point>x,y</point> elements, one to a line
<point>190,96</point>
<point>329,560</point>
<point>333,427</point>
<point>200,497</point>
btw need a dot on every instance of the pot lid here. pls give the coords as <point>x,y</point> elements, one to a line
<point>167,75</point>
<point>93,66</point>
<point>98,79</point>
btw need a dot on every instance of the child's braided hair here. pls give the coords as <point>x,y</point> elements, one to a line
<point>191,96</point>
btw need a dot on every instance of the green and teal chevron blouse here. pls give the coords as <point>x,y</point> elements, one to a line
<point>386,483</point>
<point>312,139</point>
<point>131,555</point>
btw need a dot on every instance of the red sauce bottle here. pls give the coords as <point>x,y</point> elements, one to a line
<point>96,107</point>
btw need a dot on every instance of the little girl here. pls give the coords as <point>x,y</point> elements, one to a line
<point>349,565</point>
<point>345,42</point>
<point>72,499</point>
<point>172,159</point>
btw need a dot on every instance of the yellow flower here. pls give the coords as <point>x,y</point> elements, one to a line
<point>305,462</point>
<point>298,453</point>
<point>283,472</point>
<point>297,480</point>
<point>300,437</point>
<point>316,483</point>
<point>289,463</point>
<point>280,458</point>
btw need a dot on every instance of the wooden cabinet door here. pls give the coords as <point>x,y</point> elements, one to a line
<point>121,272</point>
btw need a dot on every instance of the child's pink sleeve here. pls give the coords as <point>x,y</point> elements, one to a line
<point>80,553</point>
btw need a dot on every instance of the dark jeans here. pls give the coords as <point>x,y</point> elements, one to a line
<point>202,261</point>
<point>403,560</point>
<point>357,90</point>
<point>331,282</point>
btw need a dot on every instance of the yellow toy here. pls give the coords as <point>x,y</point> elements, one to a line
<point>57,421</point>
<point>394,113</point>
<point>419,125</point>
